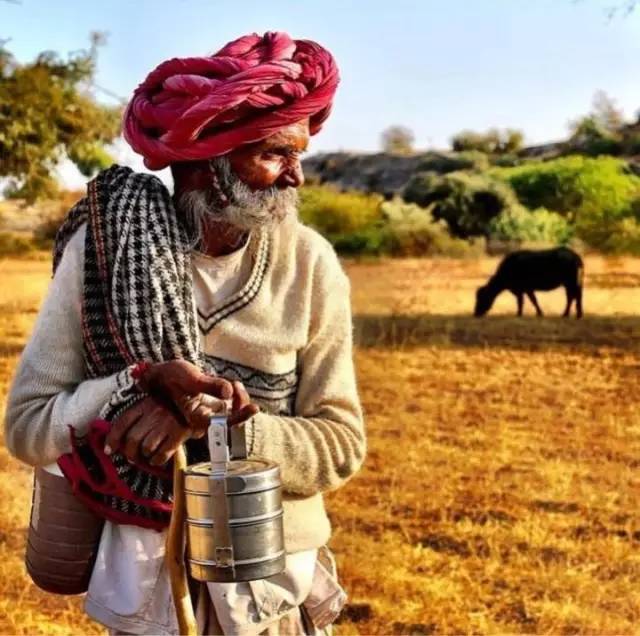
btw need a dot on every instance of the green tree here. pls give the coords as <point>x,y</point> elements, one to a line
<point>398,140</point>
<point>466,201</point>
<point>494,141</point>
<point>601,131</point>
<point>46,113</point>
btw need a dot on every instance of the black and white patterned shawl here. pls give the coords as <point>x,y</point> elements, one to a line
<point>138,304</point>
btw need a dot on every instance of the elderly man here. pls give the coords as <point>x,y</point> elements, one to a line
<point>162,306</point>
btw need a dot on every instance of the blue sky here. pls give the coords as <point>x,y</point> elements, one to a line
<point>436,66</point>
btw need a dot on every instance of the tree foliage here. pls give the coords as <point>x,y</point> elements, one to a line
<point>398,140</point>
<point>46,113</point>
<point>466,201</point>
<point>596,196</point>
<point>600,132</point>
<point>492,142</point>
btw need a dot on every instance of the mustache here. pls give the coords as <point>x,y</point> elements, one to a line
<point>241,207</point>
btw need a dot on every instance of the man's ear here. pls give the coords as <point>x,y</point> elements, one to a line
<point>190,175</point>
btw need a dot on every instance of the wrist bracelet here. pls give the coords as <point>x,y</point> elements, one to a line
<point>138,372</point>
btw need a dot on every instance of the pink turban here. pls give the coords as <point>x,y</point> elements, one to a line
<point>201,107</point>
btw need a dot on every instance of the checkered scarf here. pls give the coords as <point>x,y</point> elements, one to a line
<point>137,306</point>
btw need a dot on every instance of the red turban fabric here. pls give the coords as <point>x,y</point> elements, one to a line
<point>201,107</point>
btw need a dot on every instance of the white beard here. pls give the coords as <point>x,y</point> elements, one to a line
<point>247,209</point>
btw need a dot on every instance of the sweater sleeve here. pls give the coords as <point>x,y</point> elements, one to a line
<point>324,444</point>
<point>49,389</point>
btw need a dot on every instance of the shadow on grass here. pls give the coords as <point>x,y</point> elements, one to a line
<point>9,348</point>
<point>621,332</point>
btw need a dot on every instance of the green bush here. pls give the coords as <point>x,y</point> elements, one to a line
<point>574,186</point>
<point>12,244</point>
<point>493,141</point>
<point>538,226</point>
<point>594,195</point>
<point>632,144</point>
<point>624,237</point>
<point>375,240</point>
<point>425,188</point>
<point>591,137</point>
<point>412,231</point>
<point>443,163</point>
<point>332,212</point>
<point>403,229</point>
<point>507,161</point>
<point>466,201</point>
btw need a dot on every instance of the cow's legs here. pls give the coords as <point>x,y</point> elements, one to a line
<point>579,301</point>
<point>520,299</point>
<point>574,293</point>
<point>571,295</point>
<point>534,300</point>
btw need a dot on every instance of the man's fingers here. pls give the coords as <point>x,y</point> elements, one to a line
<point>152,442</point>
<point>216,387</point>
<point>240,396</point>
<point>133,440</point>
<point>120,427</point>
<point>245,413</point>
<point>168,447</point>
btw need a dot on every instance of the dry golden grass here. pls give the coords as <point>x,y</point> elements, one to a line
<point>24,609</point>
<point>499,494</point>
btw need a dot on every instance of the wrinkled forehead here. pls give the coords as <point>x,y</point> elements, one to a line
<point>293,137</point>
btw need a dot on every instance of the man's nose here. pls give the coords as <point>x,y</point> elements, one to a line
<point>292,177</point>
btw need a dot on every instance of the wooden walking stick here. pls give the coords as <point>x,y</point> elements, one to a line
<point>175,550</point>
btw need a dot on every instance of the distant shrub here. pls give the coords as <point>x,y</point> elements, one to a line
<point>54,215</point>
<point>332,212</point>
<point>538,226</point>
<point>397,140</point>
<point>507,161</point>
<point>632,144</point>
<point>412,231</point>
<point>594,195</point>
<point>443,163</point>
<point>17,245</point>
<point>624,237</point>
<point>574,185</point>
<point>591,137</point>
<point>425,188</point>
<point>493,141</point>
<point>375,240</point>
<point>466,201</point>
<point>403,229</point>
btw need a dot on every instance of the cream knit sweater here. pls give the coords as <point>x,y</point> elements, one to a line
<point>286,334</point>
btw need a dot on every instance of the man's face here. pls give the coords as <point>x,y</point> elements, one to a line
<point>271,163</point>
<point>275,161</point>
<point>258,182</point>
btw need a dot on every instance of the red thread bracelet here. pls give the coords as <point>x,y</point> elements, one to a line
<point>139,369</point>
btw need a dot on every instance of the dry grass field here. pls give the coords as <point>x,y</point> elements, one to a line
<point>501,486</point>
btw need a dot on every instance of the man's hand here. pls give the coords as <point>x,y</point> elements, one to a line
<point>147,432</point>
<point>176,379</point>
<point>242,408</point>
<point>151,432</point>
<point>198,409</point>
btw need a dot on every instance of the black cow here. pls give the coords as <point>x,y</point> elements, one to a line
<point>526,271</point>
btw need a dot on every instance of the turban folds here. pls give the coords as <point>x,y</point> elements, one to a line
<point>201,107</point>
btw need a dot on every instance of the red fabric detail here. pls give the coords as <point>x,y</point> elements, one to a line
<point>83,483</point>
<point>196,108</point>
<point>105,274</point>
<point>139,370</point>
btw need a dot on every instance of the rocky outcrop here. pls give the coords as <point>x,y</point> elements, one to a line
<point>381,172</point>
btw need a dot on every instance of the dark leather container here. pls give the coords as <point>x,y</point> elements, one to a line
<point>63,538</point>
